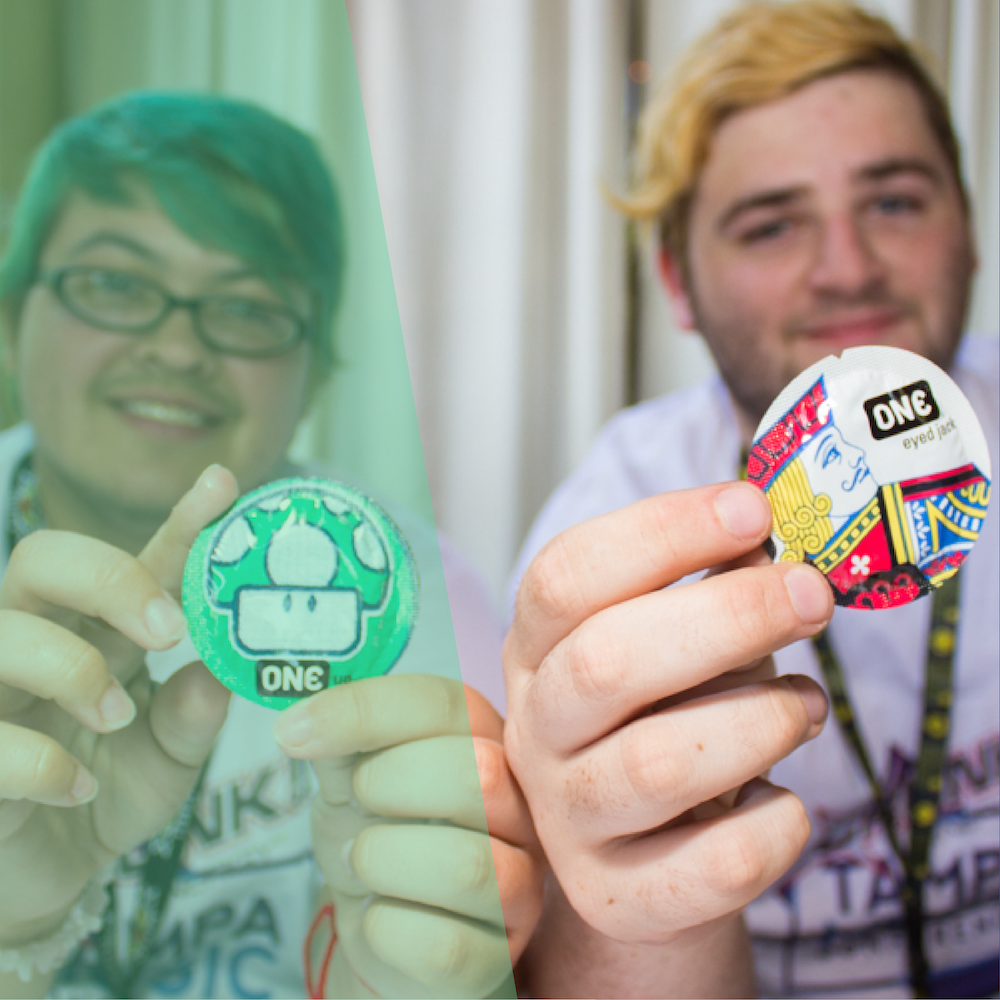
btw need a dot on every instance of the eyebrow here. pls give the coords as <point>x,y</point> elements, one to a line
<point>780,197</point>
<point>900,165</point>
<point>772,198</point>
<point>106,237</point>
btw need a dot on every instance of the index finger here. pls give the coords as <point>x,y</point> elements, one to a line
<point>372,714</point>
<point>644,547</point>
<point>215,492</point>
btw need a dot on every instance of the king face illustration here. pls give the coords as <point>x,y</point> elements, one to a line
<point>880,545</point>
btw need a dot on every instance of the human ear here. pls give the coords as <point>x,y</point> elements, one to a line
<point>675,284</point>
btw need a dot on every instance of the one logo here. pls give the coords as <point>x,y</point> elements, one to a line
<point>901,410</point>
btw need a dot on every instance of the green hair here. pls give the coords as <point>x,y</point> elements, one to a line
<point>229,174</point>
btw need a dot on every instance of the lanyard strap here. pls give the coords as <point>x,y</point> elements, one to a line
<point>925,789</point>
<point>163,861</point>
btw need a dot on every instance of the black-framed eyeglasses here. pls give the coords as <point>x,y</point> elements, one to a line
<point>127,303</point>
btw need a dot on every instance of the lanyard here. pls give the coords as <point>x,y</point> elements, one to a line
<point>925,789</point>
<point>163,852</point>
<point>163,861</point>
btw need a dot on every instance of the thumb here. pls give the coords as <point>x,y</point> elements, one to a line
<point>186,714</point>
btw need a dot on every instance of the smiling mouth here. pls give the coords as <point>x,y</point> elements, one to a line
<point>169,414</point>
<point>854,328</point>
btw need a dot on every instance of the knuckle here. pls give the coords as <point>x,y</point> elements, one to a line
<point>84,669</point>
<point>550,585</point>
<point>360,707</point>
<point>591,665</point>
<point>119,572</point>
<point>743,864</point>
<point>492,767</point>
<point>451,955</point>
<point>656,768</point>
<point>473,866</point>
<point>51,772</point>
<point>786,719</point>
<point>26,553</point>
<point>759,611</point>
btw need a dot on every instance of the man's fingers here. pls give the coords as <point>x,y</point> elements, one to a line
<point>662,644</point>
<point>43,659</point>
<point>667,763</point>
<point>688,875</point>
<point>35,767</point>
<point>215,492</point>
<point>52,573</point>
<point>632,551</point>
<point>373,714</point>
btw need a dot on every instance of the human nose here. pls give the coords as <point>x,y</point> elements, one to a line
<point>846,264</point>
<point>175,345</point>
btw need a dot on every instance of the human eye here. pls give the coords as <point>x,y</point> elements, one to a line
<point>111,295</point>
<point>249,325</point>
<point>832,455</point>
<point>766,231</point>
<point>897,205</point>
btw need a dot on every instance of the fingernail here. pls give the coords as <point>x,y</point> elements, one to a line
<point>207,477</point>
<point>751,788</point>
<point>812,695</point>
<point>84,787</point>
<point>744,515</point>
<point>809,594</point>
<point>345,858</point>
<point>116,707</point>
<point>164,620</point>
<point>293,729</point>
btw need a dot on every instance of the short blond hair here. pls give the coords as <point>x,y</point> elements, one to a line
<point>760,52</point>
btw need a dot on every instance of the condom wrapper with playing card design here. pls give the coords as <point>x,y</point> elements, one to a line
<point>301,585</point>
<point>878,474</point>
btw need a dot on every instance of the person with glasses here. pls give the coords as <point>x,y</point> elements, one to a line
<point>167,292</point>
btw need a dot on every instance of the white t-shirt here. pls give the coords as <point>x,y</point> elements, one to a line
<point>245,892</point>
<point>832,926</point>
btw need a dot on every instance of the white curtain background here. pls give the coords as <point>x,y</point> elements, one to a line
<point>493,124</point>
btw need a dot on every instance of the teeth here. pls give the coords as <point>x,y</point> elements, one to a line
<point>165,413</point>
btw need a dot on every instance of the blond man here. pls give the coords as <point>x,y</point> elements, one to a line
<point>804,183</point>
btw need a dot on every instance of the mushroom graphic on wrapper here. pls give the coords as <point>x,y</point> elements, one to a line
<point>299,575</point>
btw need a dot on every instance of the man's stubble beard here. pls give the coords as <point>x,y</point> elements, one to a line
<point>754,380</point>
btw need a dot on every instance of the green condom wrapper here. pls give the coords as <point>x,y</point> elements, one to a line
<point>302,585</point>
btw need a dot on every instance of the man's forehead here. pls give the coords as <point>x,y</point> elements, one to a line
<point>842,128</point>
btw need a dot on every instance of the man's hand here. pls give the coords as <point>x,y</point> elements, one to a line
<point>401,837</point>
<point>92,762</point>
<point>641,718</point>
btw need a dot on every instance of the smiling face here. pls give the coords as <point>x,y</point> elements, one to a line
<point>821,221</point>
<point>125,423</point>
